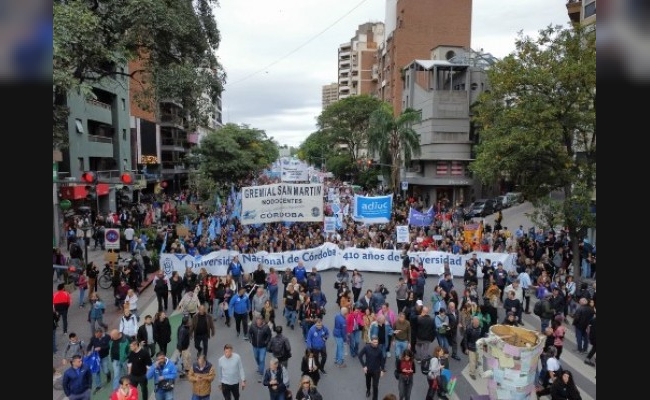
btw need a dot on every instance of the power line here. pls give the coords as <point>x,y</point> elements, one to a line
<point>299,47</point>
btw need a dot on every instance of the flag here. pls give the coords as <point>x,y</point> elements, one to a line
<point>212,234</point>
<point>218,202</point>
<point>199,227</point>
<point>164,243</point>
<point>187,220</point>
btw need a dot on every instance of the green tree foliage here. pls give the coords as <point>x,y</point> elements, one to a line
<point>174,40</point>
<point>392,137</point>
<point>537,124</point>
<point>346,122</point>
<point>235,152</point>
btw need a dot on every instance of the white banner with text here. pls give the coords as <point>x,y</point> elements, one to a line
<point>330,256</point>
<point>290,202</point>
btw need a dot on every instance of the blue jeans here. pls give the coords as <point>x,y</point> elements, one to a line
<point>582,339</point>
<point>260,357</point>
<point>355,340</point>
<point>215,308</point>
<point>105,367</point>
<point>197,397</point>
<point>164,395</point>
<point>291,317</point>
<point>340,345</point>
<point>277,396</point>
<point>400,346</point>
<point>82,294</point>
<point>443,342</point>
<point>544,323</point>
<point>119,369</point>
<point>585,269</point>
<point>273,295</point>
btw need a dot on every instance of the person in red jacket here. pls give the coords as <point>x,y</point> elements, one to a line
<point>61,301</point>
<point>126,391</point>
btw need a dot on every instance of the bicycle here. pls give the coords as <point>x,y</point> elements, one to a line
<point>105,280</point>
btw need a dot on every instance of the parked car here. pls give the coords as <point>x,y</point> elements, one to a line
<point>502,201</point>
<point>480,208</point>
<point>514,198</point>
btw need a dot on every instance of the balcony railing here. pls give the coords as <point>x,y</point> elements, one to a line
<point>100,139</point>
<point>171,119</point>
<point>99,104</point>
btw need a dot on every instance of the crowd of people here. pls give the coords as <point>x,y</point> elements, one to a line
<point>416,328</point>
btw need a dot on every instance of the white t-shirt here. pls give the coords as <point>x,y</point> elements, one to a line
<point>552,364</point>
<point>129,233</point>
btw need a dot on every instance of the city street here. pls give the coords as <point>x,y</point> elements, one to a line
<point>339,383</point>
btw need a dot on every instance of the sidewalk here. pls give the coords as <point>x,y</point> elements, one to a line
<point>78,318</point>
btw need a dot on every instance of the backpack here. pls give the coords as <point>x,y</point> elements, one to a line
<point>78,351</point>
<point>277,347</point>
<point>425,364</point>
<point>538,309</point>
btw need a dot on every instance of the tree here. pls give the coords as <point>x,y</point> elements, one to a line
<point>174,41</point>
<point>235,152</point>
<point>346,122</point>
<point>394,138</point>
<point>537,125</point>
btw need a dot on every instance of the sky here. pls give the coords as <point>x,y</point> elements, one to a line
<point>277,54</point>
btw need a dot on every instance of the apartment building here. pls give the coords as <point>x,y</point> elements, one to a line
<point>443,87</point>
<point>330,94</point>
<point>357,61</point>
<point>412,29</point>
<point>99,141</point>
<point>582,11</point>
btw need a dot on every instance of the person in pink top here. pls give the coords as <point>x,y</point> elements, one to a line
<point>391,318</point>
<point>272,286</point>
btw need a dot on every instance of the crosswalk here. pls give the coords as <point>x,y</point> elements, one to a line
<point>584,375</point>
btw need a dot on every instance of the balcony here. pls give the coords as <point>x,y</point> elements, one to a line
<point>172,120</point>
<point>574,8</point>
<point>99,111</point>
<point>100,139</point>
<point>174,145</point>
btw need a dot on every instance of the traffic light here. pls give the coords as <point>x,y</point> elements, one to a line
<point>90,179</point>
<point>126,178</point>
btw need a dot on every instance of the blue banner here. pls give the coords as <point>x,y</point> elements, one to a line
<point>417,218</point>
<point>373,209</point>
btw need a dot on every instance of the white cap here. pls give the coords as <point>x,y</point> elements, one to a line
<point>419,303</point>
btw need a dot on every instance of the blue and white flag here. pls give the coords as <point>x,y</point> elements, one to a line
<point>417,218</point>
<point>164,243</point>
<point>212,234</point>
<point>199,227</point>
<point>373,210</point>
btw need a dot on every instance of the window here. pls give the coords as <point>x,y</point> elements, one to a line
<point>590,9</point>
<point>124,134</point>
<point>123,104</point>
<point>82,166</point>
<point>80,126</point>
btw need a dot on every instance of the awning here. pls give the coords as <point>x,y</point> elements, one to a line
<point>78,192</point>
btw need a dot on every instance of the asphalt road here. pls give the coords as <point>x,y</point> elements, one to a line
<point>345,383</point>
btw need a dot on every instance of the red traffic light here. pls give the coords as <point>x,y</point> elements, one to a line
<point>126,178</point>
<point>89,177</point>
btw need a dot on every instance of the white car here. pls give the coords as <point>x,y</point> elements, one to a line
<point>513,198</point>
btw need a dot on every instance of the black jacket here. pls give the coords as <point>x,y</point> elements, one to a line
<point>426,329</point>
<point>374,358</point>
<point>259,336</point>
<point>162,331</point>
<point>471,336</point>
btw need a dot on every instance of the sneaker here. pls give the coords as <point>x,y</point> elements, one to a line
<point>342,365</point>
<point>388,354</point>
<point>589,362</point>
<point>367,393</point>
<point>323,371</point>
<point>472,376</point>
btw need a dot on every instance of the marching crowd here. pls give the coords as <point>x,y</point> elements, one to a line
<point>421,331</point>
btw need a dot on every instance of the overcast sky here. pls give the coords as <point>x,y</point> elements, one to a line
<point>278,54</point>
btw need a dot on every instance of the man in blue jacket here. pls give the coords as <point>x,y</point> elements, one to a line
<point>240,305</point>
<point>340,333</point>
<point>317,342</point>
<point>77,380</point>
<point>164,373</point>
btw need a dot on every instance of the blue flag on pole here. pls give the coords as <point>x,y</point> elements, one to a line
<point>199,227</point>
<point>212,234</point>
<point>417,218</point>
<point>164,243</point>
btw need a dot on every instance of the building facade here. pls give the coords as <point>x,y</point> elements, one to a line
<point>99,141</point>
<point>330,94</point>
<point>582,11</point>
<point>412,29</point>
<point>443,87</point>
<point>357,61</point>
